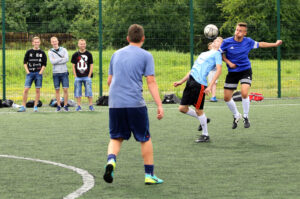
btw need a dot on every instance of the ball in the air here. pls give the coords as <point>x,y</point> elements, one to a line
<point>211,31</point>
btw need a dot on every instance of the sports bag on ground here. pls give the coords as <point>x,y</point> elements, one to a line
<point>30,104</point>
<point>171,99</point>
<point>7,103</point>
<point>237,96</point>
<point>256,97</point>
<point>102,101</point>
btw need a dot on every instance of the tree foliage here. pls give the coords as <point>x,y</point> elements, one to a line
<point>85,23</point>
<point>166,22</point>
<point>261,17</point>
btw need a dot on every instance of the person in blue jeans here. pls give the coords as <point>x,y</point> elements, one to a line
<point>59,58</point>
<point>82,64</point>
<point>35,61</point>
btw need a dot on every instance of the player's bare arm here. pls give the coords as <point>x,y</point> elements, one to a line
<point>91,70</point>
<point>178,83</point>
<point>269,45</point>
<point>74,71</point>
<point>42,70</point>
<point>26,69</point>
<point>109,78</point>
<point>216,76</point>
<point>227,61</point>
<point>153,88</point>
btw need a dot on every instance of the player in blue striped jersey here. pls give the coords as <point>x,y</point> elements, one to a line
<point>235,53</point>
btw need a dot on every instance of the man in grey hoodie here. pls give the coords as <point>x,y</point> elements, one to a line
<point>59,57</point>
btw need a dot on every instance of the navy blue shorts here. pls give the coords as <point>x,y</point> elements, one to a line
<point>123,121</point>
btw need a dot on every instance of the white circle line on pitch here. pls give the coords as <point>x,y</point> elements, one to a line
<point>87,178</point>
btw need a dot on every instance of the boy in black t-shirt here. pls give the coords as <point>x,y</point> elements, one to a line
<point>82,64</point>
<point>35,61</point>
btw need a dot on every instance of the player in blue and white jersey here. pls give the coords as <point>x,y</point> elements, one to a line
<point>235,53</point>
<point>196,86</point>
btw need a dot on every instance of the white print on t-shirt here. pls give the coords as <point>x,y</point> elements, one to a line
<point>81,64</point>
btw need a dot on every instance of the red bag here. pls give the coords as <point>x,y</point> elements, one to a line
<point>256,97</point>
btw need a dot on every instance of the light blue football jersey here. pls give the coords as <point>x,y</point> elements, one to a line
<point>205,62</point>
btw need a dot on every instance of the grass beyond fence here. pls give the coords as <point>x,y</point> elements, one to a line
<point>170,66</point>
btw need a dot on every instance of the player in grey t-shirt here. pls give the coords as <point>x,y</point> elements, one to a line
<point>127,109</point>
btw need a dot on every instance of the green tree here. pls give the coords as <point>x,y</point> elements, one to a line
<point>261,17</point>
<point>50,16</point>
<point>165,22</point>
<point>16,21</point>
<point>86,23</point>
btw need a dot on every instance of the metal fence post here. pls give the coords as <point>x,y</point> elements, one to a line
<point>278,50</point>
<point>192,32</point>
<point>3,48</point>
<point>100,49</point>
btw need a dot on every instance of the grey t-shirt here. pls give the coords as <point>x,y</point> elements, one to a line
<point>128,65</point>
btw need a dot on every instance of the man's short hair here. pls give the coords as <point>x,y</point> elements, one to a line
<point>53,38</point>
<point>81,40</point>
<point>242,24</point>
<point>135,33</point>
<point>34,38</point>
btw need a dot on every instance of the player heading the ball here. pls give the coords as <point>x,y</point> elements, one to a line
<point>196,86</point>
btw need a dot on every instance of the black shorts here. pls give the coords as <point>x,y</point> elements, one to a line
<point>193,94</point>
<point>233,79</point>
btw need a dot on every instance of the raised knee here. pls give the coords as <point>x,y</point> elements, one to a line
<point>182,109</point>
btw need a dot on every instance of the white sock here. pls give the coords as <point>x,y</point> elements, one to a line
<point>246,106</point>
<point>203,121</point>
<point>192,112</point>
<point>232,106</point>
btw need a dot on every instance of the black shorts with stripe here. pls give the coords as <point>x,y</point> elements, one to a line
<point>233,79</point>
<point>193,94</point>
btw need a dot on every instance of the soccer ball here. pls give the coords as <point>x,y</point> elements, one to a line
<point>211,31</point>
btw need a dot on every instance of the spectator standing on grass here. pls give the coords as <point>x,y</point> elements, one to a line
<point>127,109</point>
<point>82,64</point>
<point>35,62</point>
<point>59,58</point>
<point>235,53</point>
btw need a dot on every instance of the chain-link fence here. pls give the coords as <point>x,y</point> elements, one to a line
<point>168,25</point>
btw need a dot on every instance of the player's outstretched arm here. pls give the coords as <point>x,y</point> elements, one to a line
<point>269,45</point>
<point>153,88</point>
<point>178,83</point>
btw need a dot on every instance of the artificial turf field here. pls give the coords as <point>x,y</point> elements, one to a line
<point>259,162</point>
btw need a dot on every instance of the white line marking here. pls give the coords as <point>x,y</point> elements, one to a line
<point>88,179</point>
<point>105,109</point>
